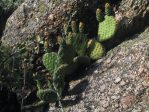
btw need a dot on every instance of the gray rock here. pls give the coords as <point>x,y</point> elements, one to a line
<point>39,17</point>
<point>129,65</point>
<point>45,18</point>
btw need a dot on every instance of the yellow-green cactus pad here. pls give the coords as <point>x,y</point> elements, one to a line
<point>95,50</point>
<point>107,28</point>
<point>50,61</point>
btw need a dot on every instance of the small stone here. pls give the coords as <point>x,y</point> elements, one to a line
<point>102,88</point>
<point>116,105</point>
<point>117,80</point>
<point>105,103</point>
<point>96,71</point>
<point>51,17</point>
<point>115,97</point>
<point>127,101</point>
<point>101,109</point>
<point>122,83</point>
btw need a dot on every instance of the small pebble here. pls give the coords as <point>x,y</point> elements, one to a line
<point>117,80</point>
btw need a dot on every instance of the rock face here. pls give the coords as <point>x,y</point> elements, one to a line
<point>45,18</point>
<point>117,83</point>
<point>38,17</point>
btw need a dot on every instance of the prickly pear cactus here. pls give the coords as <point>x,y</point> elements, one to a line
<point>82,41</point>
<point>47,95</point>
<point>74,27</point>
<point>99,15</point>
<point>69,38</point>
<point>108,9</point>
<point>62,69</point>
<point>66,53</point>
<point>107,28</point>
<point>50,61</point>
<point>58,82</point>
<point>77,39</point>
<point>80,44</point>
<point>95,50</point>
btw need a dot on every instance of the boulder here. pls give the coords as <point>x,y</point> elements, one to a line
<point>39,17</point>
<point>119,82</point>
<point>45,18</point>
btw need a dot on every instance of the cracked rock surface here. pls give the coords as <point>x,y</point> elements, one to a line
<point>117,83</point>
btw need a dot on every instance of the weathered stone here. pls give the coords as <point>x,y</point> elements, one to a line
<point>39,17</point>
<point>102,94</point>
<point>45,18</point>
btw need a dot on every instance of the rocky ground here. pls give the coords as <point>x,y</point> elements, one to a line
<point>119,82</point>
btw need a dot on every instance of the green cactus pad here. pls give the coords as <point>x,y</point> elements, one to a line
<point>69,39</point>
<point>107,9</point>
<point>50,61</point>
<point>58,82</point>
<point>66,54</point>
<point>95,50</point>
<point>47,95</point>
<point>62,69</point>
<point>80,43</point>
<point>107,28</point>
<point>99,15</point>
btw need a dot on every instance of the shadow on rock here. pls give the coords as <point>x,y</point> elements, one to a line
<point>8,101</point>
<point>68,103</point>
<point>79,88</point>
<point>76,93</point>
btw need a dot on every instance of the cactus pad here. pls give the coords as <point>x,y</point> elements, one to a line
<point>69,38</point>
<point>99,15</point>
<point>108,9</point>
<point>80,43</point>
<point>47,95</point>
<point>62,69</point>
<point>58,82</point>
<point>66,54</point>
<point>50,61</point>
<point>107,28</point>
<point>95,49</point>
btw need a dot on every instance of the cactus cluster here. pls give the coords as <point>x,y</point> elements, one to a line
<point>59,65</point>
<point>78,39</point>
<point>75,50</point>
